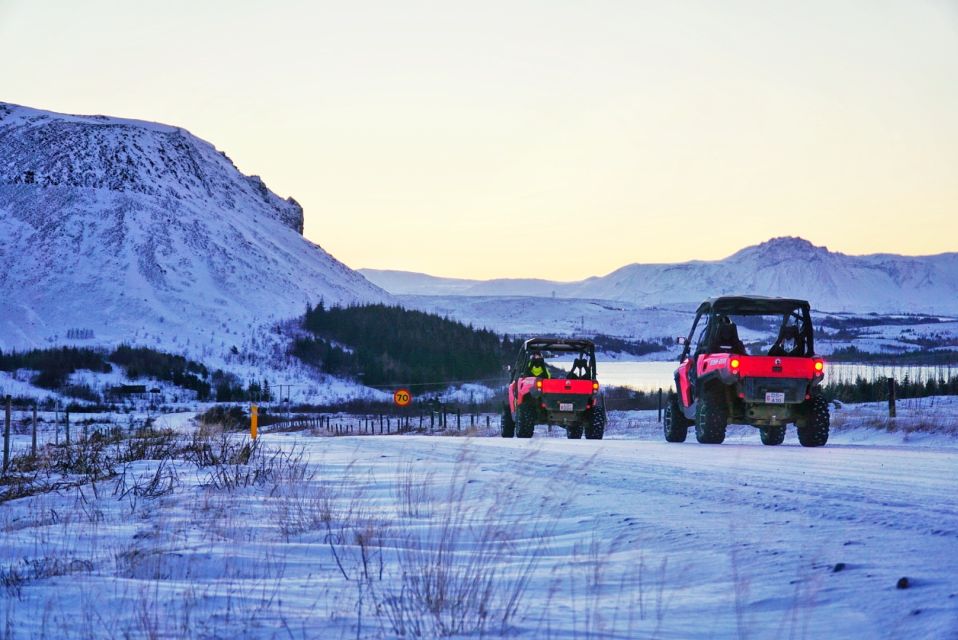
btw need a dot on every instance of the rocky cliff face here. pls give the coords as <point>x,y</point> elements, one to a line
<point>135,229</point>
<point>126,156</point>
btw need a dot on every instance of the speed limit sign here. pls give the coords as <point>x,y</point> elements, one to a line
<point>402,397</point>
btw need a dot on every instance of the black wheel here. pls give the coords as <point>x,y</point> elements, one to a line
<point>525,420</point>
<point>711,415</point>
<point>508,424</point>
<point>574,432</point>
<point>773,435</point>
<point>674,423</point>
<point>595,427</point>
<point>814,423</point>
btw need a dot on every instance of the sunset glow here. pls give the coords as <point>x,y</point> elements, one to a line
<point>540,139</point>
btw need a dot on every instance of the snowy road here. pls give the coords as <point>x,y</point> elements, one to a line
<point>751,535</point>
<point>391,536</point>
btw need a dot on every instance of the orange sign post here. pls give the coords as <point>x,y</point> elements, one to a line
<point>402,397</point>
<point>253,420</point>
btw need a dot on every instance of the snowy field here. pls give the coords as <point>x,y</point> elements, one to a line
<point>311,536</point>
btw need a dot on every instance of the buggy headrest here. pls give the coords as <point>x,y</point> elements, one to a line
<point>727,332</point>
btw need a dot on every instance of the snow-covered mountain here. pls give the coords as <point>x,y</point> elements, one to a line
<point>128,230</point>
<point>791,267</point>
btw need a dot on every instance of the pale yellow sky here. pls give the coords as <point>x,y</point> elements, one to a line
<point>541,139</point>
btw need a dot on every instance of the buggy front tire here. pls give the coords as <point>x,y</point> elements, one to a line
<point>773,436</point>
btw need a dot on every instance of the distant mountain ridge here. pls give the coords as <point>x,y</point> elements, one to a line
<point>133,230</point>
<point>787,266</point>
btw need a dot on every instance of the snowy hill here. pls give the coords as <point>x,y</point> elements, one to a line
<point>120,230</point>
<point>793,267</point>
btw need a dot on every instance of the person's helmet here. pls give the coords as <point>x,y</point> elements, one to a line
<point>537,358</point>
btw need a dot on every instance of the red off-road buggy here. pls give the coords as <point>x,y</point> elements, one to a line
<point>568,398</point>
<point>768,384</point>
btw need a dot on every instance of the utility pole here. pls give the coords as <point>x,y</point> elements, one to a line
<point>892,393</point>
<point>285,399</point>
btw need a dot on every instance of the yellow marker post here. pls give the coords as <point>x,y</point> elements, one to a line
<point>253,420</point>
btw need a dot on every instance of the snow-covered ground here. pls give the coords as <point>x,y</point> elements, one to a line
<point>422,536</point>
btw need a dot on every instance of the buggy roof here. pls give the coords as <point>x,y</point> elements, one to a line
<point>752,305</point>
<point>564,345</point>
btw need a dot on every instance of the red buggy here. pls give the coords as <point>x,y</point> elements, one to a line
<point>772,382</point>
<point>567,398</point>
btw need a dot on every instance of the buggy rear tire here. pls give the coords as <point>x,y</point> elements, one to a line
<point>525,420</point>
<point>573,432</point>
<point>711,415</point>
<point>773,436</point>
<point>675,425</point>
<point>813,426</point>
<point>508,429</point>
<point>595,427</point>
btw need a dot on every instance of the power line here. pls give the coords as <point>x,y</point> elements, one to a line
<point>430,384</point>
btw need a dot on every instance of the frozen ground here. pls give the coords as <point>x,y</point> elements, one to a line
<point>424,536</point>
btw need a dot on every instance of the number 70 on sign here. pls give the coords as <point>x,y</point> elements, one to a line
<point>402,397</point>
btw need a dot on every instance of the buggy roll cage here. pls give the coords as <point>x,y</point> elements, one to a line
<point>578,346</point>
<point>789,308</point>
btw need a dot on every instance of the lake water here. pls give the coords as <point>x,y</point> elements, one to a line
<point>647,376</point>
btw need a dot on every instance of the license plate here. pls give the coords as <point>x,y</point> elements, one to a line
<point>775,397</point>
<point>568,406</point>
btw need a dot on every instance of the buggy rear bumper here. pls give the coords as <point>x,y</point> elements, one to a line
<point>565,403</point>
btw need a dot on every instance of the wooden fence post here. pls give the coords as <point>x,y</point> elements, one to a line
<point>66,424</point>
<point>33,448</point>
<point>6,435</point>
<point>660,404</point>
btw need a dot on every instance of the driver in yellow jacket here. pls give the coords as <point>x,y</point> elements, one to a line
<point>537,366</point>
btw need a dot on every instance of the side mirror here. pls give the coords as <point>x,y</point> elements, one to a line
<point>507,368</point>
<point>682,340</point>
